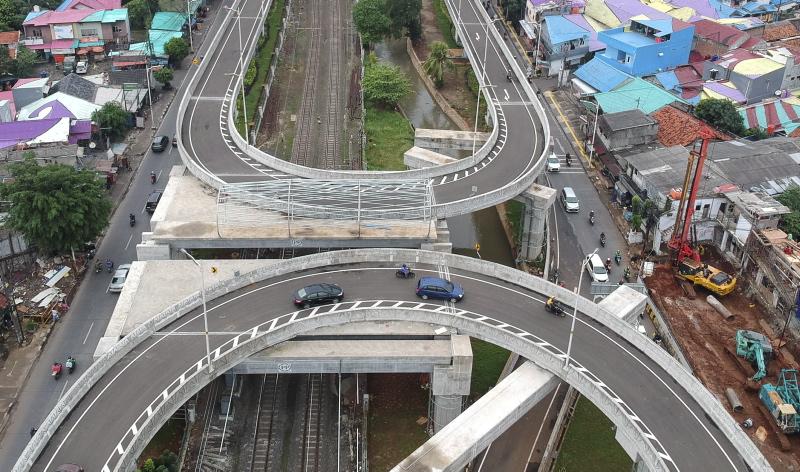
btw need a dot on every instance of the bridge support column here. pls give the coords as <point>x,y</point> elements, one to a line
<point>455,445</point>
<point>537,200</point>
<point>449,384</point>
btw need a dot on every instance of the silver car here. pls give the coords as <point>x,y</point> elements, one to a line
<point>118,281</point>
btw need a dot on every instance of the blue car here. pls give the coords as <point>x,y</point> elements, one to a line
<point>434,287</point>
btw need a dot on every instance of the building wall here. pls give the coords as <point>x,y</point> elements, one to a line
<point>90,30</point>
<point>756,89</point>
<point>791,75</point>
<point>647,59</point>
<point>46,34</point>
<point>628,137</point>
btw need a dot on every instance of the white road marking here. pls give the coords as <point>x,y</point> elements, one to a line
<point>129,241</point>
<point>12,369</point>
<point>87,332</point>
<point>63,389</point>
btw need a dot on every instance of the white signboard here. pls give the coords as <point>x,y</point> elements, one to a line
<point>62,32</point>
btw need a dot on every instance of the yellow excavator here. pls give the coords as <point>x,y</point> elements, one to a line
<point>690,265</point>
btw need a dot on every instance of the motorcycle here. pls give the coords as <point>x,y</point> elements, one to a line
<point>401,274</point>
<point>603,239</point>
<point>152,178</point>
<point>70,364</point>
<point>617,257</point>
<point>591,218</point>
<point>55,371</point>
<point>508,76</point>
<point>98,267</point>
<point>132,219</point>
<point>109,265</point>
<point>174,140</point>
<point>627,274</point>
<point>555,307</point>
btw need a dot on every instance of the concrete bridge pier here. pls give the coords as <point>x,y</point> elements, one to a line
<point>449,384</point>
<point>537,200</point>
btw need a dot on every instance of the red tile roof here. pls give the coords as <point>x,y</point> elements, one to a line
<point>9,37</point>
<point>676,127</point>
<point>774,32</point>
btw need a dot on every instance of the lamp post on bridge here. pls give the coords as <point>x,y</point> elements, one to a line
<point>205,310</point>
<point>575,308</point>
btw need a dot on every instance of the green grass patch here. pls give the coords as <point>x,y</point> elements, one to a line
<point>589,443</point>
<point>394,410</point>
<point>168,438</point>
<point>445,23</point>
<point>514,211</point>
<point>487,364</point>
<point>389,135</point>
<point>263,59</point>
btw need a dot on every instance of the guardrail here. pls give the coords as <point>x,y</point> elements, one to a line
<point>710,405</point>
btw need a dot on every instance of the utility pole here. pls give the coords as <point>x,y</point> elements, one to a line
<point>12,306</point>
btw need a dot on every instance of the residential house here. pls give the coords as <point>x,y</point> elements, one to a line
<point>743,212</point>
<point>58,105</point>
<point>789,57</point>
<point>164,27</point>
<point>536,10</point>
<point>769,165</point>
<point>645,46</point>
<point>683,81</point>
<point>597,76</point>
<point>715,39</point>
<point>28,90</point>
<point>77,29</point>
<point>754,76</point>
<point>626,129</point>
<point>633,94</point>
<point>7,109</point>
<point>772,261</point>
<point>80,87</point>
<point>30,134</point>
<point>10,39</point>
<point>563,44</point>
<point>781,115</point>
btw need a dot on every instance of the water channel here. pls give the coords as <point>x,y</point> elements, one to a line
<point>482,227</point>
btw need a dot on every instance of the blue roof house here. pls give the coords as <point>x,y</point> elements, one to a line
<point>645,47</point>
<point>563,44</point>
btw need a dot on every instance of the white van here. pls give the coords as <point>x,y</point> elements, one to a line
<point>596,268</point>
<point>81,67</point>
<point>570,200</point>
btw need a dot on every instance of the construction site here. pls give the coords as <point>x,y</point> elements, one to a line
<point>733,313</point>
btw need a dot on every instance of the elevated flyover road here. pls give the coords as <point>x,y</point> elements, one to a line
<point>505,166</point>
<point>661,411</point>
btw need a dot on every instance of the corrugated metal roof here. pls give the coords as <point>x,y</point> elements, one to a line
<point>107,16</point>
<point>561,30</point>
<point>600,75</point>
<point>168,21</point>
<point>78,108</point>
<point>636,93</point>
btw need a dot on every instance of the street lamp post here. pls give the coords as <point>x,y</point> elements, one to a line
<point>241,69</point>
<point>205,310</point>
<point>575,308</point>
<point>189,15</point>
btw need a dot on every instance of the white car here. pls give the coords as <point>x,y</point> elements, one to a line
<point>118,281</point>
<point>81,67</point>
<point>596,268</point>
<point>552,163</point>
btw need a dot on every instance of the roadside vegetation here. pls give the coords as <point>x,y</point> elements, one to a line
<point>445,23</point>
<point>590,443</point>
<point>258,69</point>
<point>487,364</point>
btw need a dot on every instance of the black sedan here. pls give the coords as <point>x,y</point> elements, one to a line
<point>317,294</point>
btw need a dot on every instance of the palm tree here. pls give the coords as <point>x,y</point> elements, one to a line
<point>437,62</point>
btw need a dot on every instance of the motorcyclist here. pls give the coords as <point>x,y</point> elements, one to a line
<point>608,264</point>
<point>70,363</point>
<point>132,217</point>
<point>56,369</point>
<point>569,160</point>
<point>405,270</point>
<point>152,177</point>
<point>508,75</point>
<point>109,264</point>
<point>602,236</point>
<point>591,213</point>
<point>98,266</point>
<point>551,301</point>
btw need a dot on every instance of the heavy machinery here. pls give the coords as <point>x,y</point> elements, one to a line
<point>756,348</point>
<point>690,266</point>
<point>783,401</point>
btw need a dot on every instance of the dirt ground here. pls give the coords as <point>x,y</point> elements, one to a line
<point>705,338</point>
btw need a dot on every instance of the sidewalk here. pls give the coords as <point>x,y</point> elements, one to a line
<point>21,359</point>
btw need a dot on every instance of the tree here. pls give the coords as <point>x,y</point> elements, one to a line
<point>25,61</point>
<point>55,206</point>
<point>437,62</point>
<point>8,16</point>
<point>250,75</point>
<point>755,134</point>
<point>6,63</point>
<point>371,21</point>
<point>791,222</point>
<point>720,113</point>
<point>385,84</point>
<point>112,118</point>
<point>138,14</point>
<point>164,75</point>
<point>404,16</point>
<point>149,466</point>
<point>176,49</point>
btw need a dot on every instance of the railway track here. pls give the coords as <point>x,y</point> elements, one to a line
<point>209,440</point>
<point>264,429</point>
<point>302,146</point>
<point>312,440</point>
<point>333,122</point>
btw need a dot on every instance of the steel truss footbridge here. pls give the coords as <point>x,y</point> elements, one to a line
<point>107,417</point>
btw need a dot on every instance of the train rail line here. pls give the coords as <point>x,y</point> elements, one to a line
<point>302,146</point>
<point>264,428</point>
<point>312,440</point>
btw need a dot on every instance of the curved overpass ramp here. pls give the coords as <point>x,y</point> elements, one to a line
<point>124,397</point>
<point>505,166</point>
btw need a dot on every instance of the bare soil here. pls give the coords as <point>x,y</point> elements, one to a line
<point>706,337</point>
